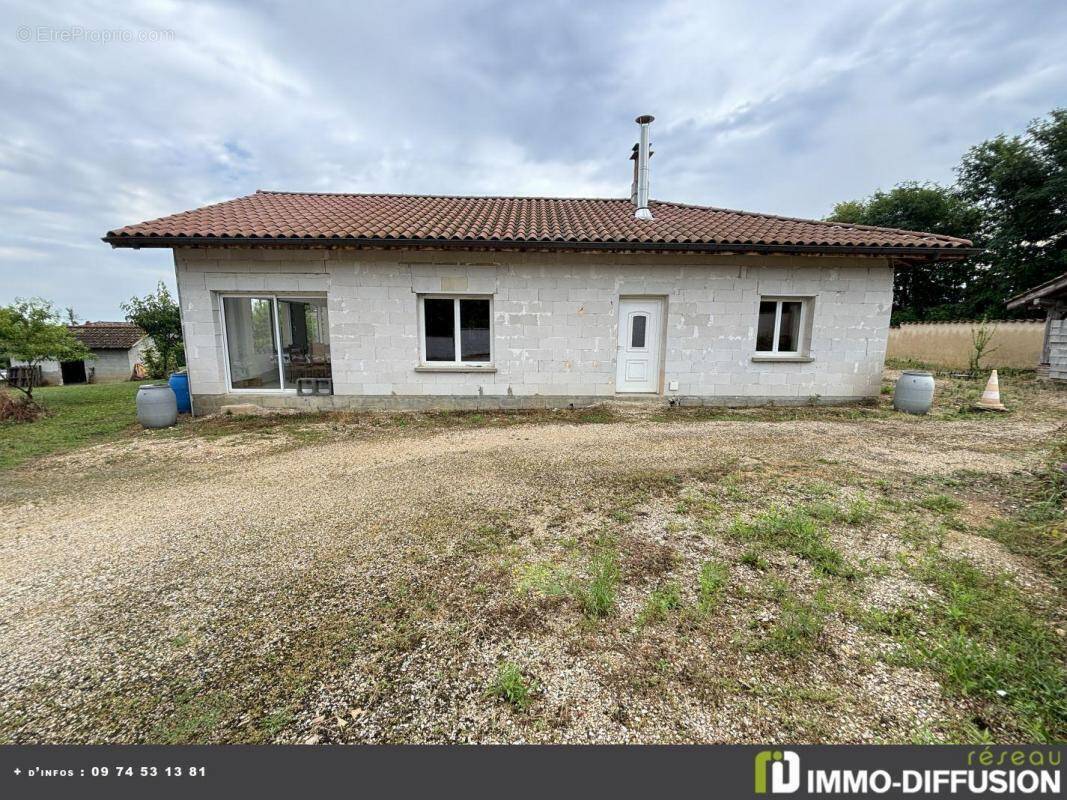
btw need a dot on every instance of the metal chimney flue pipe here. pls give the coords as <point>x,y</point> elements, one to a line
<point>643,155</point>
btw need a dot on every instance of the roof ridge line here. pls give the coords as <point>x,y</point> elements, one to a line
<point>437,196</point>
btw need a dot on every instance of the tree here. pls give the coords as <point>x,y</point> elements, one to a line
<point>159,316</point>
<point>1020,185</point>
<point>31,331</point>
<point>72,318</point>
<point>921,291</point>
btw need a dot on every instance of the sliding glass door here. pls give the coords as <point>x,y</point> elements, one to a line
<point>305,343</point>
<point>272,342</point>
<point>251,342</point>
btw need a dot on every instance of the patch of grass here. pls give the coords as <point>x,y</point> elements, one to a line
<point>951,732</point>
<point>941,503</point>
<point>598,415</point>
<point>693,502</point>
<point>76,416</point>
<point>663,600</point>
<point>597,594</point>
<point>909,363</point>
<point>1045,543</point>
<point>821,510</point>
<point>484,539</point>
<point>512,686</point>
<point>274,723</point>
<point>987,645</point>
<point>195,718</point>
<point>1039,528</point>
<point>752,558</point>
<point>547,579</point>
<point>733,486</point>
<point>818,489</point>
<point>181,639</point>
<point>770,413</point>
<point>796,531</point>
<point>799,626</point>
<point>711,583</point>
<point>921,533</point>
<point>648,483</point>
<point>859,512</point>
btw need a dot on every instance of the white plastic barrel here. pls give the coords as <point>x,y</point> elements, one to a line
<point>914,392</point>
<point>157,407</point>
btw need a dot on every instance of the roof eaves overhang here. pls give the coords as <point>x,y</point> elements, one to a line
<point>1033,296</point>
<point>732,248</point>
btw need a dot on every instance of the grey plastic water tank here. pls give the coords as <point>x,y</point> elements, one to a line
<point>157,407</point>
<point>914,392</point>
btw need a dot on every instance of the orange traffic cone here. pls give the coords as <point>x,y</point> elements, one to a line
<point>990,400</point>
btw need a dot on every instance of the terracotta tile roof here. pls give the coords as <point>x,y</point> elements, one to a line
<point>107,335</point>
<point>571,223</point>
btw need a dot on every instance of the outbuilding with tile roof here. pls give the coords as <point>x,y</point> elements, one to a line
<point>116,348</point>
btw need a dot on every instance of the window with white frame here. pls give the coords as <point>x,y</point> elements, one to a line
<point>456,330</point>
<point>272,341</point>
<point>783,325</point>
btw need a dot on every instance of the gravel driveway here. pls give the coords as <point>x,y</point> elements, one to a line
<point>331,584</point>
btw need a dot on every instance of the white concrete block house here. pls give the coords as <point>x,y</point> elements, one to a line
<point>374,301</point>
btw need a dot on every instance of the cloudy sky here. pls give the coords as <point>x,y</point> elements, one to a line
<point>117,113</point>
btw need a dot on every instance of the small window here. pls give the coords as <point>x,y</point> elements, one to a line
<point>780,328</point>
<point>456,330</point>
<point>637,333</point>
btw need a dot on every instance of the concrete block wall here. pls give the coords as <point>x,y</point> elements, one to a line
<point>110,366</point>
<point>555,323</point>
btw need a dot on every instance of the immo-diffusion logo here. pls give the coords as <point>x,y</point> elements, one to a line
<point>1021,771</point>
<point>784,768</point>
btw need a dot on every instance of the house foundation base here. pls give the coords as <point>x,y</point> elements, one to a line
<point>204,404</point>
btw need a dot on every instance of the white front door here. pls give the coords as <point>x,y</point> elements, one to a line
<point>638,354</point>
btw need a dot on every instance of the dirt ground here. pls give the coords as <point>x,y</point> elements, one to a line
<point>538,579</point>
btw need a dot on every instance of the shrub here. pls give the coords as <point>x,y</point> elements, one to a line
<point>156,366</point>
<point>981,337</point>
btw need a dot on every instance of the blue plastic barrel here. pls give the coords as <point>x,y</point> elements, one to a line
<point>179,383</point>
